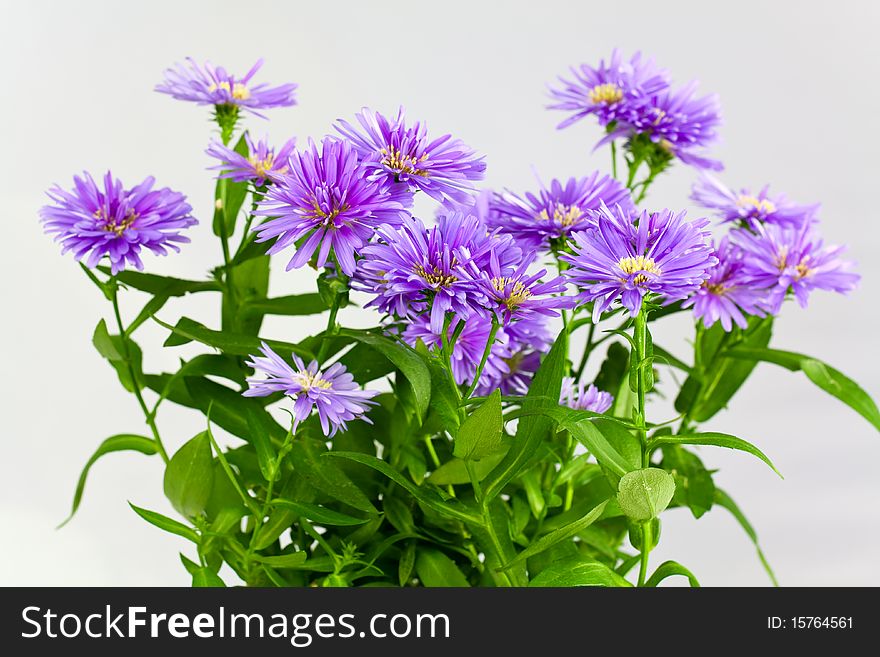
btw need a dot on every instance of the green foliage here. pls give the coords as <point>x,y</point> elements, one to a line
<point>189,476</point>
<point>644,494</point>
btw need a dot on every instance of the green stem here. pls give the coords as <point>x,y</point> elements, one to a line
<point>489,344</point>
<point>332,328</point>
<point>613,159</point>
<point>587,349</point>
<point>135,384</point>
<point>647,540</point>
<point>640,338</point>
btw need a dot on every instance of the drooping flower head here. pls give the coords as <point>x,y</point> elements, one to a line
<point>468,348</point>
<point>415,269</point>
<point>210,85</point>
<point>327,196</point>
<point>749,208</point>
<point>584,398</point>
<point>443,168</point>
<point>334,392</point>
<point>557,210</point>
<point>610,90</point>
<point>521,295</point>
<point>112,221</point>
<point>681,124</point>
<point>728,294</point>
<point>261,164</point>
<point>658,253</point>
<point>783,259</point>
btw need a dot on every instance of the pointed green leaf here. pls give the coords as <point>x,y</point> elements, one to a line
<point>295,304</point>
<point>326,476</point>
<point>189,476</point>
<point>435,569</point>
<point>319,514</point>
<point>167,524</point>
<point>714,439</point>
<point>480,434</point>
<point>104,344</point>
<point>578,572</point>
<point>207,578</point>
<point>118,443</point>
<point>668,569</point>
<point>236,344</point>
<point>724,500</point>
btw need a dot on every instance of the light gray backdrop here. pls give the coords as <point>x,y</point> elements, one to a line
<point>798,82</point>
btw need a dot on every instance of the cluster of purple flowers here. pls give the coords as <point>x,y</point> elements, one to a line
<point>471,286</point>
<point>634,98</point>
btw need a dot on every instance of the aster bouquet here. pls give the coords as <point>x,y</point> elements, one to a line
<point>459,441</point>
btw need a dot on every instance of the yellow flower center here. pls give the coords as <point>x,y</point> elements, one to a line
<point>607,93</point>
<point>307,381</point>
<point>113,225</point>
<point>518,294</point>
<point>238,90</point>
<point>639,263</point>
<point>752,202</point>
<point>263,167</point>
<point>714,288</point>
<point>435,277</point>
<point>319,213</point>
<point>394,159</point>
<point>564,215</point>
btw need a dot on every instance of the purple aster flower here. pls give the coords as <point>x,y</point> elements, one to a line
<point>116,222</point>
<point>678,122</point>
<point>555,211</point>
<point>328,197</point>
<point>521,368</point>
<point>209,85</point>
<point>584,399</point>
<point>334,391</point>
<point>468,348</point>
<point>750,208</point>
<point>610,90</point>
<point>261,164</point>
<point>784,258</point>
<point>521,295</point>
<point>728,292</point>
<point>659,253</point>
<point>414,268</point>
<point>443,168</point>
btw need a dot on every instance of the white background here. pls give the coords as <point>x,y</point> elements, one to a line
<point>798,83</point>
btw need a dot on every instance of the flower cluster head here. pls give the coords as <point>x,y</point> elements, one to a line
<point>444,168</point>
<point>634,101</point>
<point>521,295</point>
<point>260,165</point>
<point>783,258</point>
<point>112,221</point>
<point>583,398</point>
<point>729,293</point>
<point>621,258</point>
<point>415,269</point>
<point>334,392</point>
<point>328,198</point>
<point>210,85</point>
<point>556,211</point>
<point>748,208</point>
<point>608,91</point>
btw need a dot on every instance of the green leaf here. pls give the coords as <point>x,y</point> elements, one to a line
<point>319,514</point>
<point>326,476</point>
<point>714,439</point>
<point>532,430</point>
<point>366,364</point>
<point>578,572</point>
<point>454,471</point>
<point>426,496</point>
<point>557,536</point>
<point>644,494</point>
<point>236,344</point>
<point>823,375</point>
<point>152,306</point>
<point>118,443</point>
<point>705,393</point>
<point>724,500</point>
<point>155,284</point>
<point>613,368</point>
<point>405,359</point>
<point>104,344</point>
<point>230,195</point>
<point>480,434</point>
<point>250,281</point>
<point>435,569</point>
<point>295,304</point>
<point>189,476</point>
<point>261,430</point>
<point>406,563</point>
<point>167,524</point>
<point>230,410</point>
<point>668,569</point>
<point>694,486</point>
<point>283,561</point>
<point>664,357</point>
<point>444,402</point>
<point>207,578</point>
